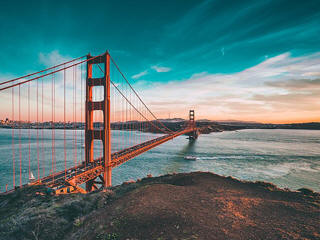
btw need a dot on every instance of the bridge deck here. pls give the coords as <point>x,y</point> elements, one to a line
<point>87,171</point>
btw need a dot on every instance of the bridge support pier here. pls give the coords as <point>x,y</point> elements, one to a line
<point>92,133</point>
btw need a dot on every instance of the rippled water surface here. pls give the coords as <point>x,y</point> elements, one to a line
<point>287,158</point>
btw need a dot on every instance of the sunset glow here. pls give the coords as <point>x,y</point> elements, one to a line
<point>252,74</point>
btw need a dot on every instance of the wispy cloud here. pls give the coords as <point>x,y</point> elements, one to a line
<point>42,92</point>
<point>296,84</point>
<point>155,67</point>
<point>280,89</point>
<point>52,58</point>
<point>222,51</point>
<point>276,90</point>
<point>139,75</point>
<point>161,69</point>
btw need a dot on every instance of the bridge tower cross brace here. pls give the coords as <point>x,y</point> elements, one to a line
<point>91,133</point>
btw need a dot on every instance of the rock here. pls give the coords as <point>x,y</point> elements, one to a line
<point>306,191</point>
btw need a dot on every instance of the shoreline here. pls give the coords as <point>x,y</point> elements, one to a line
<point>204,127</point>
<point>197,205</point>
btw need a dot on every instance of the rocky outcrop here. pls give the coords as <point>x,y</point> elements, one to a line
<point>178,206</point>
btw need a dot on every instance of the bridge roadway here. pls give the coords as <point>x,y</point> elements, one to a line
<point>84,172</point>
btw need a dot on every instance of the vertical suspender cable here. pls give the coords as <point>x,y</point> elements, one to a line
<point>114,113</point>
<point>54,121</point>
<point>20,155</point>
<point>64,123</point>
<point>73,117</point>
<point>101,121</point>
<point>121,104</point>
<point>29,134</point>
<point>42,131</point>
<point>75,114</point>
<point>127,139</point>
<point>129,115</point>
<point>52,133</point>
<point>81,106</point>
<point>13,150</point>
<point>38,129</point>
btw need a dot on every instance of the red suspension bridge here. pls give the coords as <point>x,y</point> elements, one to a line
<point>89,93</point>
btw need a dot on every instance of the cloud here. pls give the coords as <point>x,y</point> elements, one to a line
<point>312,74</point>
<point>161,69</point>
<point>75,80</point>
<point>155,67</point>
<point>72,75</point>
<point>136,76</point>
<point>222,51</point>
<point>52,58</point>
<point>296,84</point>
<point>280,89</point>
<point>276,90</point>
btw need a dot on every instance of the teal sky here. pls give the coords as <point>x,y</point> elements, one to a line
<point>222,53</point>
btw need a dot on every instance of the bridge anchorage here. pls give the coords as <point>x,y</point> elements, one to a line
<point>121,130</point>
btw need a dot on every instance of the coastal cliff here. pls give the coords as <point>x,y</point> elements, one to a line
<point>195,205</point>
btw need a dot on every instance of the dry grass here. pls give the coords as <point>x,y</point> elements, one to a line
<point>179,206</point>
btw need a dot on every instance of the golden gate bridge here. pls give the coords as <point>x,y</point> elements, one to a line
<point>89,89</point>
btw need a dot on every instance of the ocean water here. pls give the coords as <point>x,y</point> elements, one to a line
<point>287,158</point>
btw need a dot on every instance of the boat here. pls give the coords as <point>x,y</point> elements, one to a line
<point>191,158</point>
<point>31,177</point>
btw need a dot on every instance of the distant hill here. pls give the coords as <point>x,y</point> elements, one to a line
<point>250,125</point>
<point>236,122</point>
<point>207,126</point>
<point>172,120</point>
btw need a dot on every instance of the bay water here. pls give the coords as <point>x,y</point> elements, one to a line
<point>287,158</point>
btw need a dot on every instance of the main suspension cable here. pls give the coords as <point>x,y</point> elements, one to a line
<point>31,74</point>
<point>131,103</point>
<point>47,74</point>
<point>137,93</point>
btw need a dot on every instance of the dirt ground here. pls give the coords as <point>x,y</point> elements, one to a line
<point>180,206</point>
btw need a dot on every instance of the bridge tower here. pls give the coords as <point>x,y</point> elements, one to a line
<point>191,117</point>
<point>91,133</point>
<point>194,134</point>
